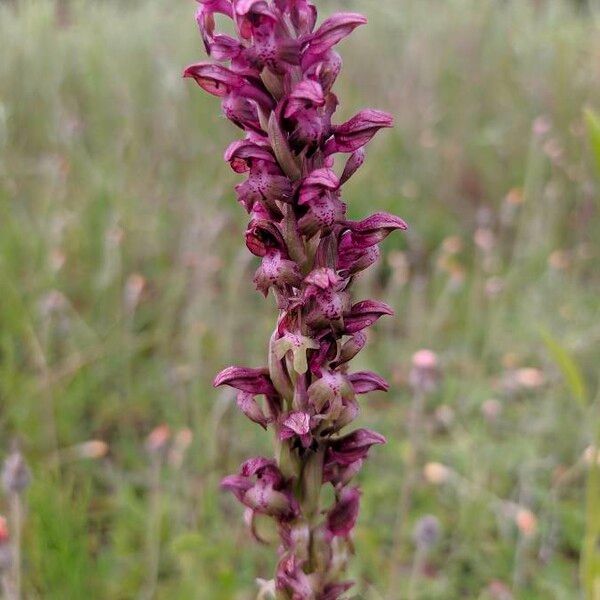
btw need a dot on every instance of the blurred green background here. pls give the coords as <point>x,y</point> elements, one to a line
<point>125,285</point>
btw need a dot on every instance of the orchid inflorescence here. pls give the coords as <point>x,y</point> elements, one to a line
<point>276,87</point>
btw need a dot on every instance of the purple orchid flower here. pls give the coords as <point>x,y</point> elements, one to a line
<point>274,80</point>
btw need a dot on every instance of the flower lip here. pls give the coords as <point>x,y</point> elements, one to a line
<point>256,465</point>
<point>241,153</point>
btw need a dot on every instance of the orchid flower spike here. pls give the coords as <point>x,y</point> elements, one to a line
<point>274,78</point>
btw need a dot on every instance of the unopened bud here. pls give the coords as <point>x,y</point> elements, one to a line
<point>134,287</point>
<point>491,409</point>
<point>16,475</point>
<point>6,557</point>
<point>4,535</point>
<point>591,455</point>
<point>530,378</point>
<point>497,590</point>
<point>526,521</point>
<point>436,473</point>
<point>181,443</point>
<point>93,449</point>
<point>158,438</point>
<point>425,373</point>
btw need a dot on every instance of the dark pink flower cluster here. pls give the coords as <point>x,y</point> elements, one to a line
<point>275,81</point>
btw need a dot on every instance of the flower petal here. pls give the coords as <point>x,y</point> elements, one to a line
<point>364,382</point>
<point>364,314</point>
<point>358,131</point>
<point>254,381</point>
<point>341,519</point>
<point>333,30</point>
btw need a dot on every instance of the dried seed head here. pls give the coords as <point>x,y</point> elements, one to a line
<point>16,475</point>
<point>427,532</point>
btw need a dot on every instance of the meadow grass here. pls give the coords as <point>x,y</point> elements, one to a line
<point>125,285</point>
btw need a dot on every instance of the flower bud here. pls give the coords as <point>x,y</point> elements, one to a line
<point>352,347</point>
<point>357,158</point>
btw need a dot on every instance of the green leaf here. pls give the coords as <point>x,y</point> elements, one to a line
<point>592,121</point>
<point>590,558</point>
<point>568,367</point>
